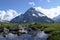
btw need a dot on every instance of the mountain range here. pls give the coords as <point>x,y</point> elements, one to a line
<point>57,19</point>
<point>31,16</point>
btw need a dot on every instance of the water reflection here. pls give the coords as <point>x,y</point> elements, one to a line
<point>40,35</point>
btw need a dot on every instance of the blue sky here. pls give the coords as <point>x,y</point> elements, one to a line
<point>12,8</point>
<point>23,5</point>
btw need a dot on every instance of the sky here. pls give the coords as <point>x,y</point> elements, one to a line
<point>12,8</point>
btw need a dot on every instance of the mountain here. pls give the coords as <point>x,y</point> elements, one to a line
<point>30,16</point>
<point>57,19</point>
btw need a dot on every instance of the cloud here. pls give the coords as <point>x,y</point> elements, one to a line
<point>31,3</point>
<point>49,0</point>
<point>51,13</point>
<point>8,15</point>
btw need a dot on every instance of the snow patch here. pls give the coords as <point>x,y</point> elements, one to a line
<point>41,15</point>
<point>35,15</point>
<point>24,20</point>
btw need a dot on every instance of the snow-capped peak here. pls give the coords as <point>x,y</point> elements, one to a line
<point>30,16</point>
<point>35,12</point>
<point>41,15</point>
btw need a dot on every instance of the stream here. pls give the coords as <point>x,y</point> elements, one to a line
<point>39,35</point>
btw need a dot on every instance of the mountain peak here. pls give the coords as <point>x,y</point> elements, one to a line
<point>33,12</point>
<point>31,8</point>
<point>30,16</point>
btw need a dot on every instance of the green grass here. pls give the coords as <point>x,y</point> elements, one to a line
<point>53,27</point>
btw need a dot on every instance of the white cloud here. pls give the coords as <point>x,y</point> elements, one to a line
<point>8,15</point>
<point>51,13</point>
<point>49,0</point>
<point>31,3</point>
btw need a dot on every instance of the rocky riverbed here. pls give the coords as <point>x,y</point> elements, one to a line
<point>38,36</point>
<point>22,33</point>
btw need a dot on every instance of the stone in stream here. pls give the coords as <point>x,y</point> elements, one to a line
<point>22,30</point>
<point>13,30</point>
<point>5,32</point>
<point>48,31</point>
<point>18,30</point>
<point>1,30</point>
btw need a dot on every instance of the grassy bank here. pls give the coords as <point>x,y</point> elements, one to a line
<point>52,28</point>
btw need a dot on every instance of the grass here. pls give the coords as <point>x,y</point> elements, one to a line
<point>52,28</point>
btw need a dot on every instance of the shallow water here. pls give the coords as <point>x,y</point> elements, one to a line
<point>40,35</point>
